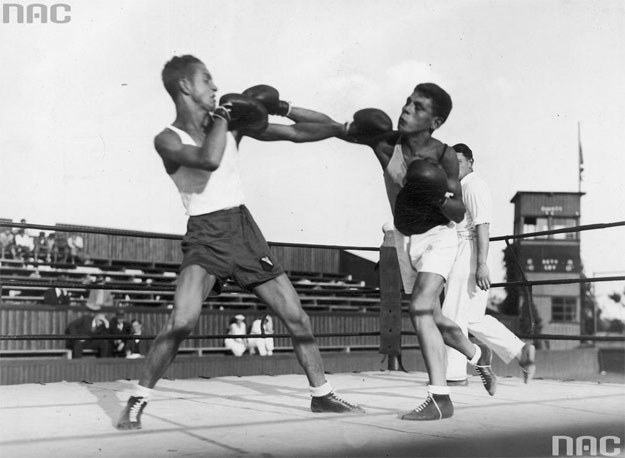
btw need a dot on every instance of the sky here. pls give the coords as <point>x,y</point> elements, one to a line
<point>82,102</point>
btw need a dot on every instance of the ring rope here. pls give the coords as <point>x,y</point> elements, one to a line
<point>159,235</point>
<point>170,288</point>
<point>193,337</point>
<point>16,337</point>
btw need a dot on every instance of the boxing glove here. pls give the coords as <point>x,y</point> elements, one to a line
<point>243,113</point>
<point>270,98</point>
<point>427,180</point>
<point>368,123</point>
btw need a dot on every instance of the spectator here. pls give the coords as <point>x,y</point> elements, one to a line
<point>94,324</point>
<point>23,244</point>
<point>261,326</point>
<point>61,249</point>
<point>35,274</point>
<point>51,247</point>
<point>40,246</point>
<point>99,298</point>
<point>7,244</point>
<point>119,326</point>
<point>56,296</point>
<point>237,327</point>
<point>76,247</point>
<point>32,233</point>
<point>136,347</point>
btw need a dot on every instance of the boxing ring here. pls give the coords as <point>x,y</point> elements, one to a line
<point>215,405</point>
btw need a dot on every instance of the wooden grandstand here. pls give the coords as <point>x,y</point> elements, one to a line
<point>338,290</point>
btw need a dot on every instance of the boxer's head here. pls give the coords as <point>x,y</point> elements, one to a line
<point>187,76</point>
<point>426,109</point>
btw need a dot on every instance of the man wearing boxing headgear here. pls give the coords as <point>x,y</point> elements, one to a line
<point>200,153</point>
<point>421,177</point>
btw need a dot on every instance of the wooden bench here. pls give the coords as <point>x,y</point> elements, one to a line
<point>66,353</point>
<point>200,351</point>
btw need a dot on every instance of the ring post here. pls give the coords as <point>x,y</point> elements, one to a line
<point>390,301</point>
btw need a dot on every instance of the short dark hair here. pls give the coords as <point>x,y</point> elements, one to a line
<point>177,68</point>
<point>441,100</point>
<point>464,150</point>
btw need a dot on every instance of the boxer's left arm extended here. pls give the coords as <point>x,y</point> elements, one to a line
<point>452,207</point>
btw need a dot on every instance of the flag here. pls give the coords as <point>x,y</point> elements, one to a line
<point>581,156</point>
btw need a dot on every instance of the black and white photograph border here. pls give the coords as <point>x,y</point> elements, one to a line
<point>537,92</point>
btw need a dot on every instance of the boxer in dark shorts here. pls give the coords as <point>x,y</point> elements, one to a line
<point>229,244</point>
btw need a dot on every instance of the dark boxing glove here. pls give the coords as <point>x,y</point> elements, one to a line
<point>367,124</point>
<point>418,204</point>
<point>427,179</point>
<point>270,98</point>
<point>243,113</point>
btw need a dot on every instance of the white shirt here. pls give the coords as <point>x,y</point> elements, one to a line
<point>478,202</point>
<point>202,191</point>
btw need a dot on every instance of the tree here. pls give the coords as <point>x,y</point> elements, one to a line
<point>588,306</point>
<point>518,299</point>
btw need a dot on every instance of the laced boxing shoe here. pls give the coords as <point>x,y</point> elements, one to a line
<point>130,417</point>
<point>332,403</point>
<point>435,407</point>
<point>485,371</point>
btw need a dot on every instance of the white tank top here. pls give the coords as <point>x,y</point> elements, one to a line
<point>394,175</point>
<point>206,192</point>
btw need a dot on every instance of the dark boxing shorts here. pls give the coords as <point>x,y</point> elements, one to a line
<point>229,244</point>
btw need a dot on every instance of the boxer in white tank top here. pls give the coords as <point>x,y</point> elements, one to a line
<point>203,191</point>
<point>425,258</point>
<point>200,153</point>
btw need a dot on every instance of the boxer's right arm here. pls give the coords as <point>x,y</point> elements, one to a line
<point>301,132</point>
<point>299,114</point>
<point>205,157</point>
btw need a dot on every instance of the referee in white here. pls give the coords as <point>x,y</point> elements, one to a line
<point>466,291</point>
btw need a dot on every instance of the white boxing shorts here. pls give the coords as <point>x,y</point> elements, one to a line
<point>433,251</point>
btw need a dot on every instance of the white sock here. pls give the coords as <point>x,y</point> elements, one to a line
<point>476,357</point>
<point>322,390</point>
<point>142,392</point>
<point>435,389</point>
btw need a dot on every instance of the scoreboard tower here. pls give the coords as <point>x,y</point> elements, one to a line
<point>551,257</point>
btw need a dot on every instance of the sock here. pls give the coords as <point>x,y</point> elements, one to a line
<point>322,390</point>
<point>476,357</point>
<point>142,392</point>
<point>435,389</point>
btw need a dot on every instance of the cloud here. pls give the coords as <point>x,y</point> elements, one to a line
<point>503,86</point>
<point>409,73</point>
<point>347,93</point>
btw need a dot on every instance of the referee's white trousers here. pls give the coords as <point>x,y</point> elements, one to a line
<point>465,304</point>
